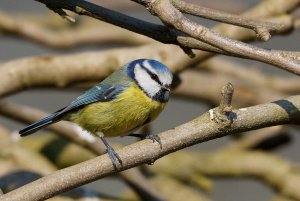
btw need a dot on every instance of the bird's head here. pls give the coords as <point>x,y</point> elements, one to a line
<point>153,77</point>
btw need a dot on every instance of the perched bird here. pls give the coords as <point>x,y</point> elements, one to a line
<point>129,98</point>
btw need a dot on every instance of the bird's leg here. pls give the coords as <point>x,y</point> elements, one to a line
<point>153,137</point>
<point>114,157</point>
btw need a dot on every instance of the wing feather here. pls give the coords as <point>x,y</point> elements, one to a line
<point>99,93</point>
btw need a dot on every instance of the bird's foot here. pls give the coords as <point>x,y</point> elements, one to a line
<point>153,137</point>
<point>114,157</point>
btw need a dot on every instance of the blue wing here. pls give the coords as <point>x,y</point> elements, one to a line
<point>99,93</point>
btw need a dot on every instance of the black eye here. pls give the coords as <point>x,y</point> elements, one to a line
<point>154,77</point>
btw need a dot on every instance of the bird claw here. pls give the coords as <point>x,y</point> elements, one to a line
<point>114,157</point>
<point>154,138</point>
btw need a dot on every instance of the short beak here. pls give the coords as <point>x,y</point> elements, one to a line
<point>165,88</point>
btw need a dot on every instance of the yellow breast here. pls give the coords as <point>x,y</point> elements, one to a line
<point>130,110</point>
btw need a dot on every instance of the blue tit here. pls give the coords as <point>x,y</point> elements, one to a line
<point>129,98</point>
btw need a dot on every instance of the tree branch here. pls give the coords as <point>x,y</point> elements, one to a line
<point>174,18</point>
<point>55,70</point>
<point>183,27</point>
<point>82,7</point>
<point>30,72</point>
<point>199,130</point>
<point>261,28</point>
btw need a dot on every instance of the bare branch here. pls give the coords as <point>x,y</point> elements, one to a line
<point>82,7</point>
<point>174,18</point>
<point>55,70</point>
<point>262,29</point>
<point>199,130</point>
<point>39,71</point>
<point>183,26</point>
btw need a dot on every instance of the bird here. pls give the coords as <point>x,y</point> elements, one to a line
<point>126,100</point>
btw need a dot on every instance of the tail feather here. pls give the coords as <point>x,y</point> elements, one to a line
<point>40,124</point>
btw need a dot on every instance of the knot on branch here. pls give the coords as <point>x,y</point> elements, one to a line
<point>223,114</point>
<point>263,33</point>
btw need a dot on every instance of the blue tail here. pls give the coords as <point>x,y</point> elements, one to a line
<point>40,124</point>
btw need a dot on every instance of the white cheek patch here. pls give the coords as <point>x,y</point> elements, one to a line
<point>144,80</point>
<point>165,78</point>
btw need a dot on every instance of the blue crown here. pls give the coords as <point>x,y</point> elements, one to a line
<point>159,67</point>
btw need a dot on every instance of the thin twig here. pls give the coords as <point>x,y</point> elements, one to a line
<point>262,29</point>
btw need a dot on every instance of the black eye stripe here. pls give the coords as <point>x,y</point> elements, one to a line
<point>152,75</point>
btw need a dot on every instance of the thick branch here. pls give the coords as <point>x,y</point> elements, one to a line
<point>63,70</point>
<point>199,130</point>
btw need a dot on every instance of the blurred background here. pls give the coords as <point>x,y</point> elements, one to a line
<point>179,110</point>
